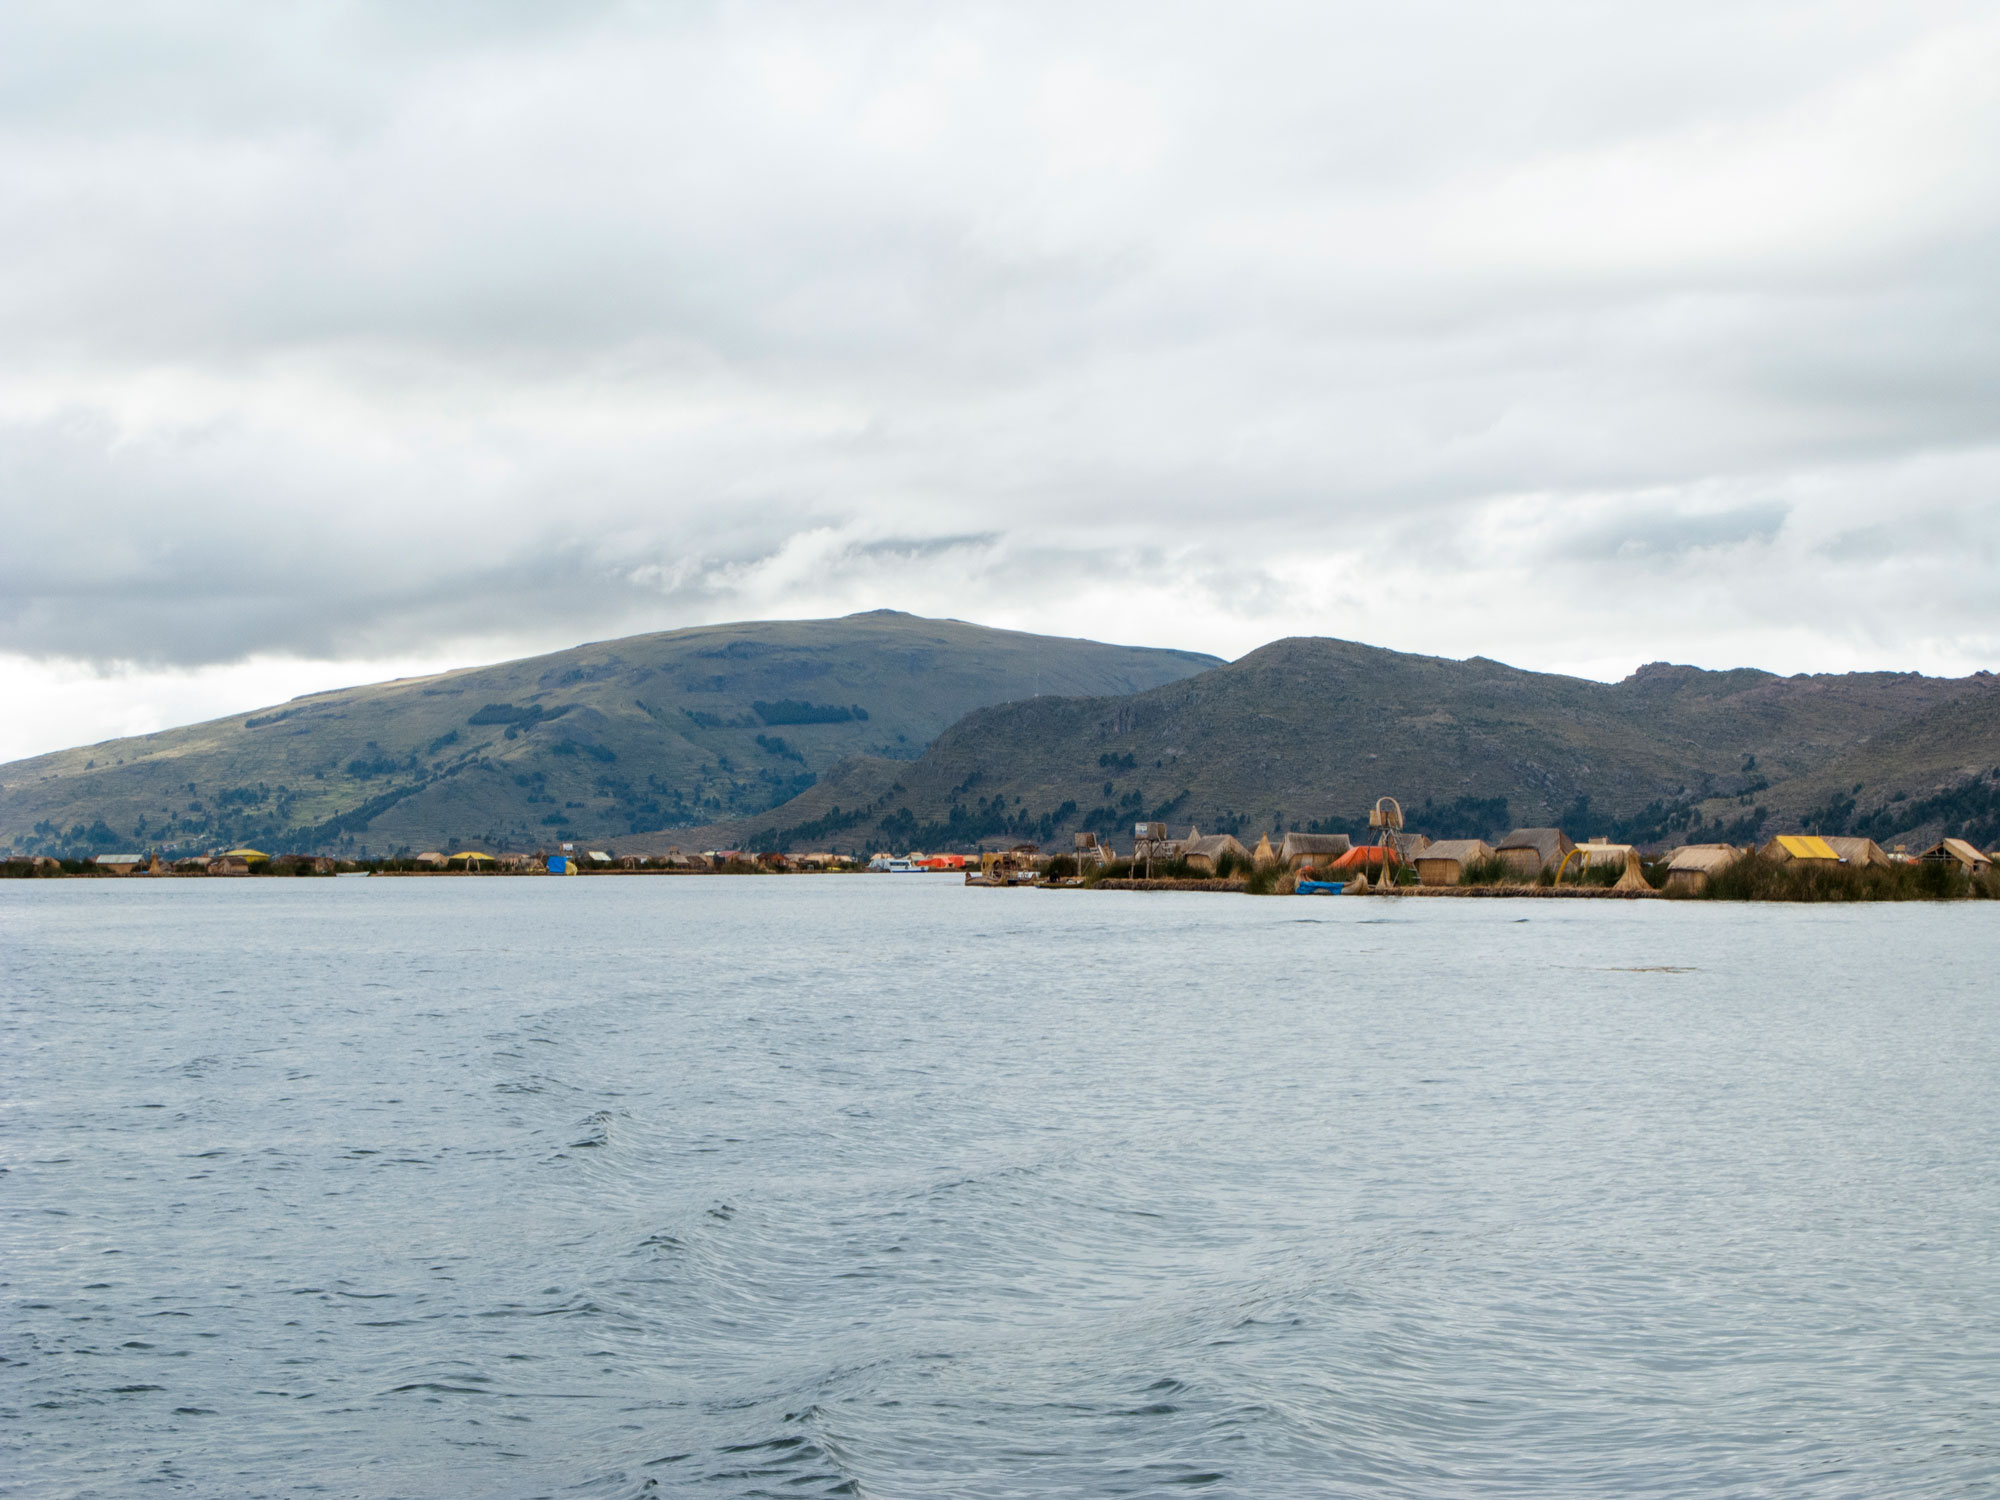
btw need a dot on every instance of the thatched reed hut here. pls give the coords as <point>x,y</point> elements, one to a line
<point>1300,849</point>
<point>1526,852</point>
<point>1858,853</point>
<point>1444,862</point>
<point>1203,855</point>
<point>1964,854</point>
<point>1799,848</point>
<point>1689,869</point>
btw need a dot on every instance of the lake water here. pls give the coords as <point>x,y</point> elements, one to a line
<point>884,1186</point>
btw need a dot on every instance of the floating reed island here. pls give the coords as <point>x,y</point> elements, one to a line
<point>1543,863</point>
<point>1395,861</point>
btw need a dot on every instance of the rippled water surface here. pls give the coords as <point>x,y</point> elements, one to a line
<point>884,1186</point>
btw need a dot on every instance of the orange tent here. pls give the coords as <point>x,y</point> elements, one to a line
<point>1369,857</point>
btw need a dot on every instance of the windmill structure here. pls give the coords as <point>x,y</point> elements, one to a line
<point>1386,817</point>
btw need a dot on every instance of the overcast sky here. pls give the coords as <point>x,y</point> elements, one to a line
<point>339,341</point>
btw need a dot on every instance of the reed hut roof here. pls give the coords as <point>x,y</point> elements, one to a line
<point>1856,851</point>
<point>1214,846</point>
<point>1465,851</point>
<point>1299,845</point>
<point>1959,850</point>
<point>1799,846</point>
<point>1550,843</point>
<point>1704,858</point>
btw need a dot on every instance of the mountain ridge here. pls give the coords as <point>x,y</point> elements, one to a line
<point>1307,732</point>
<point>593,741</point>
<point>883,729</point>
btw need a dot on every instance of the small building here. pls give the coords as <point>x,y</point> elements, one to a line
<point>599,859</point>
<point>1205,855</point>
<point>1526,852</point>
<point>432,859</point>
<point>1689,869</point>
<point>1966,855</point>
<point>1264,856</point>
<point>1858,853</point>
<point>470,859</point>
<point>1298,850</point>
<point>1444,862</point>
<point>228,864</point>
<point>1799,848</point>
<point>119,864</point>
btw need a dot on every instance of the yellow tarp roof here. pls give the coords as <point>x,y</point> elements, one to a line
<point>471,854</point>
<point>1806,846</point>
<point>246,854</point>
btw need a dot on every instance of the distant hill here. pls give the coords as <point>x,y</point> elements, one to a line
<point>650,732</point>
<point>1932,775</point>
<point>1308,733</point>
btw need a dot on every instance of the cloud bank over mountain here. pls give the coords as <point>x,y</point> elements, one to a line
<point>356,334</point>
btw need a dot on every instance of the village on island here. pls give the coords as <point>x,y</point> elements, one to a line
<point>1394,860</point>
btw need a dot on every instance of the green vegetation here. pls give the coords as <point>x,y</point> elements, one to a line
<point>1461,818</point>
<point>1970,809</point>
<point>507,713</point>
<point>794,711</point>
<point>1755,879</point>
<point>1269,880</point>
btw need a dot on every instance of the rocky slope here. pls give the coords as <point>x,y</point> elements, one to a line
<point>1307,733</point>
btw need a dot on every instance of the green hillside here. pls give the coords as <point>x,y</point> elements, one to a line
<point>1932,775</point>
<point>1308,733</point>
<point>650,732</point>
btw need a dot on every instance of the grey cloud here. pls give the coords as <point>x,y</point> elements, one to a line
<point>909,548</point>
<point>1661,537</point>
<point>349,328</point>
